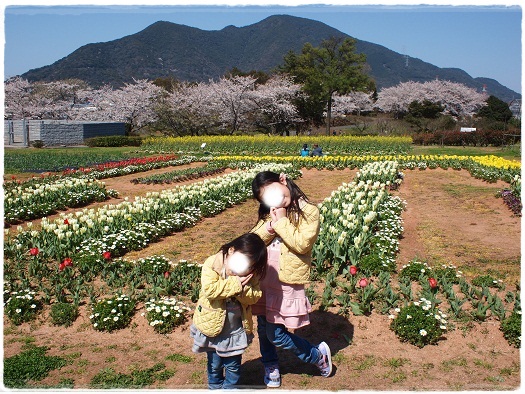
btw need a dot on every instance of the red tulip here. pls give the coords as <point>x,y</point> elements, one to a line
<point>66,221</point>
<point>107,255</point>
<point>353,270</point>
<point>61,266</point>
<point>67,262</point>
<point>33,251</point>
<point>363,282</point>
<point>167,274</point>
<point>433,283</point>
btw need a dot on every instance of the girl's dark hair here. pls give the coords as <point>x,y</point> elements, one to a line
<point>264,178</point>
<point>253,247</point>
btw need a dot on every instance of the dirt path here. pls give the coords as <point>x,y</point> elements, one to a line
<point>450,218</point>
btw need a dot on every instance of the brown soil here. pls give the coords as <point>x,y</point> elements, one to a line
<point>451,218</point>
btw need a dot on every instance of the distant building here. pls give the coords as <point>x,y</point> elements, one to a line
<point>57,132</point>
<point>515,107</point>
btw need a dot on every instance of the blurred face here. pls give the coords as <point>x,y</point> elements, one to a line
<point>237,263</point>
<point>276,195</point>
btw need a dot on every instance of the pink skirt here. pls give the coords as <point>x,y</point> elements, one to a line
<point>281,303</point>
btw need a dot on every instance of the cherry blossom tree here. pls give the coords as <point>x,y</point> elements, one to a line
<point>396,99</point>
<point>189,110</point>
<point>230,99</point>
<point>18,98</point>
<point>134,104</point>
<point>274,103</point>
<point>456,99</point>
<point>55,99</point>
<point>354,102</point>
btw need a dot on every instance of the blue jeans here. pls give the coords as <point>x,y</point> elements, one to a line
<point>223,372</point>
<point>272,336</point>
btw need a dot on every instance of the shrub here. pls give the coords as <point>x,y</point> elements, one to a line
<point>419,323</point>
<point>113,141</point>
<point>415,269</point>
<point>21,306</point>
<point>373,265</point>
<point>64,313</point>
<point>165,314</point>
<point>448,273</point>
<point>487,281</point>
<point>31,364</point>
<point>37,144</point>
<point>108,378</point>
<point>152,265</point>
<point>511,328</point>
<point>112,313</point>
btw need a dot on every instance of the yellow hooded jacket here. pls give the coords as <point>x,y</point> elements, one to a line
<point>298,240</point>
<point>210,312</point>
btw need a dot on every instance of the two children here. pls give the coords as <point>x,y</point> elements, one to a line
<point>262,272</point>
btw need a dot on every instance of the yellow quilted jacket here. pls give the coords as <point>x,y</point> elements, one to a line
<point>296,251</point>
<point>210,312</point>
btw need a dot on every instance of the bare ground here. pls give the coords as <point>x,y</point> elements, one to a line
<point>450,218</point>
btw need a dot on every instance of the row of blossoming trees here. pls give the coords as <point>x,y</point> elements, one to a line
<point>228,105</point>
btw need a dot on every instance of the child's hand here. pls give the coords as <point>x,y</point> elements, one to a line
<point>277,213</point>
<point>245,279</point>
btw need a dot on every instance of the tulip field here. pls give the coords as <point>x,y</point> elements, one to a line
<point>115,275</point>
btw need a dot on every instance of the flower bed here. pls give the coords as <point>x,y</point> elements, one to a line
<point>34,199</point>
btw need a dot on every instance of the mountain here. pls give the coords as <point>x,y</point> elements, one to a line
<point>166,49</point>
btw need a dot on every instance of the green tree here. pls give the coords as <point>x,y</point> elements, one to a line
<point>333,67</point>
<point>426,109</point>
<point>496,109</point>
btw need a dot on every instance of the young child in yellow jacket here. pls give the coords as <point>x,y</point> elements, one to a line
<point>222,322</point>
<point>289,224</point>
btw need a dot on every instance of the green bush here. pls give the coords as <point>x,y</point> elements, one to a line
<point>108,378</point>
<point>31,364</point>
<point>21,306</point>
<point>113,141</point>
<point>511,328</point>
<point>64,313</point>
<point>419,323</point>
<point>165,314</point>
<point>486,281</point>
<point>415,269</point>
<point>37,144</point>
<point>112,313</point>
<point>448,273</point>
<point>373,264</point>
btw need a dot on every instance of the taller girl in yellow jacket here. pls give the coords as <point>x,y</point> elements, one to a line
<point>222,322</point>
<point>289,225</point>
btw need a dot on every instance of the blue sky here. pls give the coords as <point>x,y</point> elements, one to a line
<point>483,40</point>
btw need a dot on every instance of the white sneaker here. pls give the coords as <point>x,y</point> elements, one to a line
<point>272,377</point>
<point>325,363</point>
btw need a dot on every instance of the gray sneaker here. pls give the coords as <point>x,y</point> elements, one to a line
<point>325,363</point>
<point>272,377</point>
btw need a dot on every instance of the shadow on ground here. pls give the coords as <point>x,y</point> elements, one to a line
<point>335,330</point>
